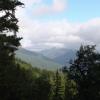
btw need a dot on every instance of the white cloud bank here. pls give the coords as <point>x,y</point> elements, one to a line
<point>42,35</point>
<point>38,35</point>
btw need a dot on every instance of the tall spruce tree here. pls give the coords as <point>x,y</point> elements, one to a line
<point>59,87</point>
<point>8,24</point>
<point>85,71</point>
<point>9,73</point>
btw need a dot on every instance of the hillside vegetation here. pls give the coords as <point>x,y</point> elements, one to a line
<point>37,60</point>
<point>22,81</point>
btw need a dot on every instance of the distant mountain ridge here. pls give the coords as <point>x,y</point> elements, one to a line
<point>37,60</point>
<point>50,59</point>
<point>59,55</point>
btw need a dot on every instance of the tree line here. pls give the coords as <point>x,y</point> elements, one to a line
<point>79,81</point>
<point>20,81</point>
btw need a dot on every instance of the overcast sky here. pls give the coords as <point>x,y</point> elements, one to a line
<point>59,23</point>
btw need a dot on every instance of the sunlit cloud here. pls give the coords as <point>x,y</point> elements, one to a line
<point>61,33</point>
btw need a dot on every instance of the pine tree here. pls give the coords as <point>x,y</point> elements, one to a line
<point>9,87</point>
<point>59,87</point>
<point>8,24</point>
<point>43,86</point>
<point>85,71</point>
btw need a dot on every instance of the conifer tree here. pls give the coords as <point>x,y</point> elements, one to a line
<point>85,71</point>
<point>9,72</point>
<point>8,24</point>
<point>59,87</point>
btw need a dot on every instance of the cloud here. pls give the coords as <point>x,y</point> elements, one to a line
<point>40,35</point>
<point>91,30</point>
<point>57,6</point>
<point>31,2</point>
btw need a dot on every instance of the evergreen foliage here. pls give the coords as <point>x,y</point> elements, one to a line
<point>8,23</point>
<point>59,86</point>
<point>70,88</point>
<point>85,71</point>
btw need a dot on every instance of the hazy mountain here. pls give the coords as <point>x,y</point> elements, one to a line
<point>66,57</point>
<point>36,59</point>
<point>59,55</point>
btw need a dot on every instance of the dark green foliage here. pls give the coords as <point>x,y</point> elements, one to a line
<point>59,87</point>
<point>8,23</point>
<point>43,86</point>
<point>14,83</point>
<point>9,5</point>
<point>8,44</point>
<point>70,86</point>
<point>19,82</point>
<point>85,71</point>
